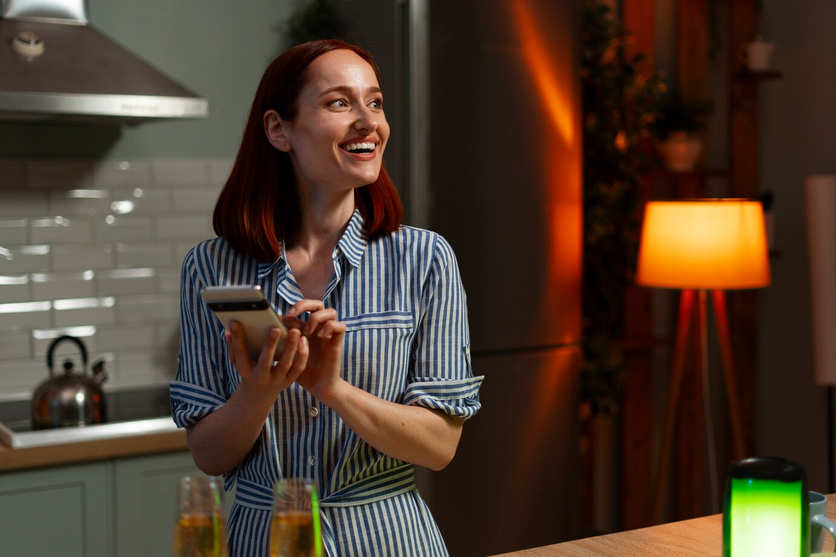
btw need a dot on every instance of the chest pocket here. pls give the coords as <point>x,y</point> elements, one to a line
<point>377,352</point>
<point>379,320</point>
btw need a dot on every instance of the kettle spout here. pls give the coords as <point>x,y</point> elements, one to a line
<point>99,373</point>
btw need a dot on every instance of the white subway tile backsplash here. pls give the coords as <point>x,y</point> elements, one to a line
<point>61,230</point>
<point>195,200</point>
<point>180,172</point>
<point>128,281</point>
<point>19,202</point>
<point>124,228</point>
<point>126,337</point>
<point>219,170</point>
<point>112,174</point>
<point>99,243</point>
<point>24,259</point>
<point>181,249</point>
<point>74,317</point>
<point>24,315</point>
<point>168,281</point>
<point>79,203</point>
<point>62,174</point>
<point>141,366</point>
<point>144,200</point>
<point>20,377</point>
<point>182,226</point>
<point>80,258</point>
<point>168,335</point>
<point>143,255</point>
<point>14,231</point>
<point>139,309</point>
<point>14,288</point>
<point>15,346</point>
<point>56,286</point>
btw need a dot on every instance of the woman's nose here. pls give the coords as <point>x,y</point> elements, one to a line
<point>366,120</point>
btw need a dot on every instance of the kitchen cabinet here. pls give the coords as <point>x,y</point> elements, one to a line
<point>124,507</point>
<point>145,502</point>
<point>57,511</point>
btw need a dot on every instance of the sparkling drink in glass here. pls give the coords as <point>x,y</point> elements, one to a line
<point>200,530</point>
<point>295,528</point>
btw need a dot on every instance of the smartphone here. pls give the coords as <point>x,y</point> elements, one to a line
<point>248,306</point>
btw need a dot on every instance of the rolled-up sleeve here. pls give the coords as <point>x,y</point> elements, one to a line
<point>199,387</point>
<point>441,377</point>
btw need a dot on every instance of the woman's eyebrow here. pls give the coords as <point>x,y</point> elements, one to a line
<point>346,90</point>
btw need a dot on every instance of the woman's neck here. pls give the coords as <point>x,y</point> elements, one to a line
<point>324,220</point>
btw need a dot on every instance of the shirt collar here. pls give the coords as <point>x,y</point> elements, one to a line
<point>264,269</point>
<point>352,244</point>
<point>354,241</point>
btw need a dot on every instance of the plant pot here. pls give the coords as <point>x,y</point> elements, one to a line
<point>681,151</point>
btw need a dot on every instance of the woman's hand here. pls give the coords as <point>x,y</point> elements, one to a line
<point>263,374</point>
<point>326,336</point>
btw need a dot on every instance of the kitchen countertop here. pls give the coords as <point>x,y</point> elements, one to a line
<point>689,538</point>
<point>85,451</point>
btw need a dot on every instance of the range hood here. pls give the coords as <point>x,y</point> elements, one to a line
<point>55,66</point>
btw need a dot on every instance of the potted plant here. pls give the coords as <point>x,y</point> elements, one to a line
<point>677,128</point>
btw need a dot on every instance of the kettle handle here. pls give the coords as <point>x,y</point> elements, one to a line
<point>55,343</point>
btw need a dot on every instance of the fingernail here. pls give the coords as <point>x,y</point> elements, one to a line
<point>308,329</point>
<point>303,341</point>
<point>274,333</point>
<point>291,312</point>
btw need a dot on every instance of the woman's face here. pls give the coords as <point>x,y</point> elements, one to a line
<point>337,138</point>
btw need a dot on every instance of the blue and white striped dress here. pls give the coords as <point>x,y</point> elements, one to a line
<point>407,341</point>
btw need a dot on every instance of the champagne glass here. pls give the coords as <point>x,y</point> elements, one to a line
<point>200,530</point>
<point>295,529</point>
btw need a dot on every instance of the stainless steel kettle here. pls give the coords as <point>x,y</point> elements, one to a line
<point>69,399</point>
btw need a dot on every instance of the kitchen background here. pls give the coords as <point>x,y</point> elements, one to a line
<point>110,274</point>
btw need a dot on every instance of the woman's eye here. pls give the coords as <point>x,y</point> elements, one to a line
<point>377,103</point>
<point>338,103</point>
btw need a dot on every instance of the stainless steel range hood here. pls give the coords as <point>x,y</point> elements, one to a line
<point>55,66</point>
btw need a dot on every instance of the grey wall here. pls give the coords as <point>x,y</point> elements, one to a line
<point>798,122</point>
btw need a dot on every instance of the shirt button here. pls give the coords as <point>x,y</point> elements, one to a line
<point>312,460</point>
<point>314,412</point>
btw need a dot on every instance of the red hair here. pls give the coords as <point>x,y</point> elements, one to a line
<point>259,203</point>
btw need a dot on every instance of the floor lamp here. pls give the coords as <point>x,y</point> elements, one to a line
<point>701,246</point>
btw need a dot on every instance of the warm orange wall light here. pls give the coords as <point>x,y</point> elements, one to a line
<point>555,92</point>
<point>697,246</point>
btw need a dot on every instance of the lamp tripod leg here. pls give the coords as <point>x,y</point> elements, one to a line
<point>686,307</point>
<point>721,317</point>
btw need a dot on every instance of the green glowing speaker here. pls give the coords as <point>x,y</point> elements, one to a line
<point>765,509</point>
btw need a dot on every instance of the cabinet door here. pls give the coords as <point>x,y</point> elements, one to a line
<point>146,502</point>
<point>57,511</point>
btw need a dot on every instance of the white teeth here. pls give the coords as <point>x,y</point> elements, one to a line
<point>365,146</point>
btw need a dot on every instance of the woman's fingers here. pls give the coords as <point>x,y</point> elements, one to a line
<point>305,305</point>
<point>268,350</point>
<point>291,346</point>
<point>300,361</point>
<point>331,329</point>
<point>237,345</point>
<point>318,319</point>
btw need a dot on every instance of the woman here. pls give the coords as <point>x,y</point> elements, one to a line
<point>380,378</point>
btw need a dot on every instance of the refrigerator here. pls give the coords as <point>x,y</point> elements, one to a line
<point>484,102</point>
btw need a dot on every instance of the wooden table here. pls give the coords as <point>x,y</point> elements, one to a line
<point>699,537</point>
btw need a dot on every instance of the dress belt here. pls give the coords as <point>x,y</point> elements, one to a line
<point>368,490</point>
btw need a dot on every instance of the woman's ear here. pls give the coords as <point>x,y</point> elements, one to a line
<point>276,129</point>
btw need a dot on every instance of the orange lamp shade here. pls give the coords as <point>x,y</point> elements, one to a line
<point>710,244</point>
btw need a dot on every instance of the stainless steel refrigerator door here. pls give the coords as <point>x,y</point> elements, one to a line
<point>504,181</point>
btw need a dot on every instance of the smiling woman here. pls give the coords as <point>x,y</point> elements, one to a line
<point>379,378</point>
